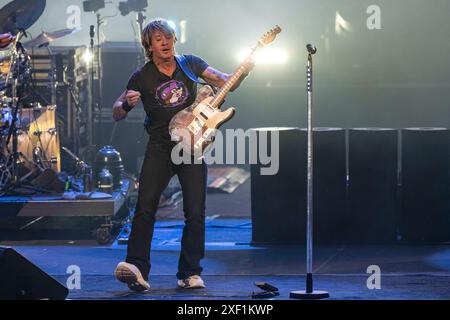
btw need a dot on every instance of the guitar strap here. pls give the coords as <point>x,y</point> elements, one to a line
<point>182,62</point>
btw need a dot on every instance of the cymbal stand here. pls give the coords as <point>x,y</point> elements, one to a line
<point>18,78</point>
<point>17,85</point>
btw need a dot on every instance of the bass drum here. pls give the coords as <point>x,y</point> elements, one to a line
<point>38,139</point>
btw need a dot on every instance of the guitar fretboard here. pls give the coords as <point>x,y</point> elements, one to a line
<point>215,103</point>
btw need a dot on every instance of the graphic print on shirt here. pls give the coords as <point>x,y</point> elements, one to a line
<point>172,93</point>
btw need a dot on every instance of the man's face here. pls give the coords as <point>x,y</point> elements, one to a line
<point>162,45</point>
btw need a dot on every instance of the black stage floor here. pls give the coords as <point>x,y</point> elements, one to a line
<point>232,265</point>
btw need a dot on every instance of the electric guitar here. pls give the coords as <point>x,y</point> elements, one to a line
<point>195,127</point>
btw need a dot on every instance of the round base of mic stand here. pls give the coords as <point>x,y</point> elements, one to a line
<point>309,293</point>
<point>314,295</point>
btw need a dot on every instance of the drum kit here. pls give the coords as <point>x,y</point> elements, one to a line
<point>29,140</point>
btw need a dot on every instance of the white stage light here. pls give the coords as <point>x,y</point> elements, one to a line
<point>266,55</point>
<point>87,56</point>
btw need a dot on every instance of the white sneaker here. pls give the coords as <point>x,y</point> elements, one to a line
<point>193,282</point>
<point>128,273</point>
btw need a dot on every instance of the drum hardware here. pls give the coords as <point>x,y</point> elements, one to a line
<point>83,171</point>
<point>13,125</point>
<point>5,172</point>
<point>45,38</point>
<point>7,100</point>
<point>29,138</point>
<point>39,159</point>
<point>80,164</point>
<point>18,61</point>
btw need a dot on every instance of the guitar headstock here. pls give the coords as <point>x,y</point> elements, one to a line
<point>269,36</point>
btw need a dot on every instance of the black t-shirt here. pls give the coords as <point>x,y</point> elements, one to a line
<point>164,96</point>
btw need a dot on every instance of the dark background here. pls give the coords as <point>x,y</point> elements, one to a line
<point>394,77</point>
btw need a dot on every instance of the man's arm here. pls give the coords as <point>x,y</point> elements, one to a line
<point>118,112</point>
<point>215,77</point>
<point>218,79</point>
<point>126,101</point>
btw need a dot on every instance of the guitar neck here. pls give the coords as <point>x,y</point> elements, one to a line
<point>220,96</point>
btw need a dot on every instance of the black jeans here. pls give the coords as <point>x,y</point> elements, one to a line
<point>157,170</point>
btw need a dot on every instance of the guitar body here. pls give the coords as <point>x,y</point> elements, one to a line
<point>195,127</point>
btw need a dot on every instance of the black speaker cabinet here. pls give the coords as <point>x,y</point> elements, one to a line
<point>372,186</point>
<point>22,280</point>
<point>425,208</point>
<point>279,201</point>
<point>329,206</point>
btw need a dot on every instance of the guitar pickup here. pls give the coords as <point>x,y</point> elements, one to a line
<point>204,116</point>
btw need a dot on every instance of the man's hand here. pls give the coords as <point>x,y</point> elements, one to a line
<point>5,39</point>
<point>249,65</point>
<point>132,97</point>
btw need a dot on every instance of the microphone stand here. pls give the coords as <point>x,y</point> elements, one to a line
<point>90,117</point>
<point>140,18</point>
<point>95,110</point>
<point>309,293</point>
<point>99,98</point>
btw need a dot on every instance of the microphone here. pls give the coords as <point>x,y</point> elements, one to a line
<point>311,49</point>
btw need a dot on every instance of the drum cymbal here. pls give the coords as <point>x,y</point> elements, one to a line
<point>45,38</point>
<point>20,14</point>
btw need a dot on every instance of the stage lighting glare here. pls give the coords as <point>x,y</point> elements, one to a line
<point>87,56</point>
<point>128,6</point>
<point>93,5</point>
<point>266,56</point>
<point>172,24</point>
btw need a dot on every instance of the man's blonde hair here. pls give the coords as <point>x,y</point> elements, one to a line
<point>158,24</point>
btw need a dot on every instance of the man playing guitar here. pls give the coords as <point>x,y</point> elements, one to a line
<point>165,89</point>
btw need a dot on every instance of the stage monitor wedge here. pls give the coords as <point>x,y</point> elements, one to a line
<point>22,280</point>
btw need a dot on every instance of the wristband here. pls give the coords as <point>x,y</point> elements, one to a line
<point>126,106</point>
